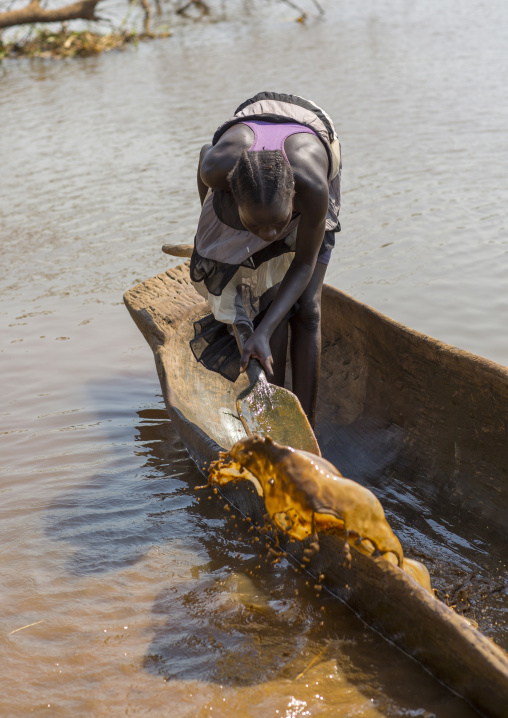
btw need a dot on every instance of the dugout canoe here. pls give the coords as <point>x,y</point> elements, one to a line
<point>420,423</point>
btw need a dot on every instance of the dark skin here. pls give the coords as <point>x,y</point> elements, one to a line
<point>304,279</point>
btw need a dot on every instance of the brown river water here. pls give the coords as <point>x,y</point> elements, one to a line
<point>134,598</point>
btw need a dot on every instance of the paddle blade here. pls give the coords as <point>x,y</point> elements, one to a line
<point>270,410</point>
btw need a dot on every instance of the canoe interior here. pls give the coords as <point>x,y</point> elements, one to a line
<point>400,410</point>
<point>424,426</point>
<point>419,422</point>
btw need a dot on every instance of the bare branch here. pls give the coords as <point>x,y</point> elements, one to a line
<point>321,11</point>
<point>303,14</point>
<point>32,13</point>
<point>148,16</point>
<point>199,4</point>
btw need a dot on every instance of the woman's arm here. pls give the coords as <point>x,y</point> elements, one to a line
<point>202,187</point>
<point>309,237</point>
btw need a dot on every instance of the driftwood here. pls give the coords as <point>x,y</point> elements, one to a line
<point>400,412</point>
<point>34,13</point>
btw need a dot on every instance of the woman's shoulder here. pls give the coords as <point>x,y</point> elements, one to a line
<point>307,157</point>
<point>239,133</point>
<point>220,158</point>
<point>310,170</point>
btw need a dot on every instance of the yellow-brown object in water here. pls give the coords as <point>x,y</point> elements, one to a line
<point>306,495</point>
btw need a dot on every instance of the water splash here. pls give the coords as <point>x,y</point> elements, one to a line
<point>306,496</point>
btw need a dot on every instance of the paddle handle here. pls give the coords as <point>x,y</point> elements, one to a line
<point>178,250</point>
<point>254,369</point>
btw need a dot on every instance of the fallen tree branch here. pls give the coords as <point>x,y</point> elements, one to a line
<point>64,44</point>
<point>33,13</point>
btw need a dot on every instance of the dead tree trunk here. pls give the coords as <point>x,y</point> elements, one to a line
<point>81,10</point>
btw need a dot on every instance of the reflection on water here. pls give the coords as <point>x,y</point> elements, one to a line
<point>114,519</point>
<point>102,535</point>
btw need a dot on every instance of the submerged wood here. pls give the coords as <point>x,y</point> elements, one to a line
<point>397,410</point>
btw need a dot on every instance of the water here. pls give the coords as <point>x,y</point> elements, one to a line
<point>128,578</point>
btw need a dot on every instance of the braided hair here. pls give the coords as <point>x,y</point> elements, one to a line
<point>263,177</point>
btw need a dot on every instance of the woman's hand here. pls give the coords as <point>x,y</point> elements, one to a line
<point>258,347</point>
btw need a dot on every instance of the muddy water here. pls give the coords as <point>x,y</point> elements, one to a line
<point>138,593</point>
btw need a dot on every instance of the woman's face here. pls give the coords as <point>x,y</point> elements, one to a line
<point>268,222</point>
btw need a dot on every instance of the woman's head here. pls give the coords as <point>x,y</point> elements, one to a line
<point>263,186</point>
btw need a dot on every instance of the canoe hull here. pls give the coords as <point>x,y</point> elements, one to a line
<point>372,391</point>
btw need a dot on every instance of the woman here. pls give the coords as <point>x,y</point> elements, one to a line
<point>269,185</point>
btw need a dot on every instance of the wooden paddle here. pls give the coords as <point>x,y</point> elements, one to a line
<point>271,410</point>
<point>264,408</point>
<point>178,250</point>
